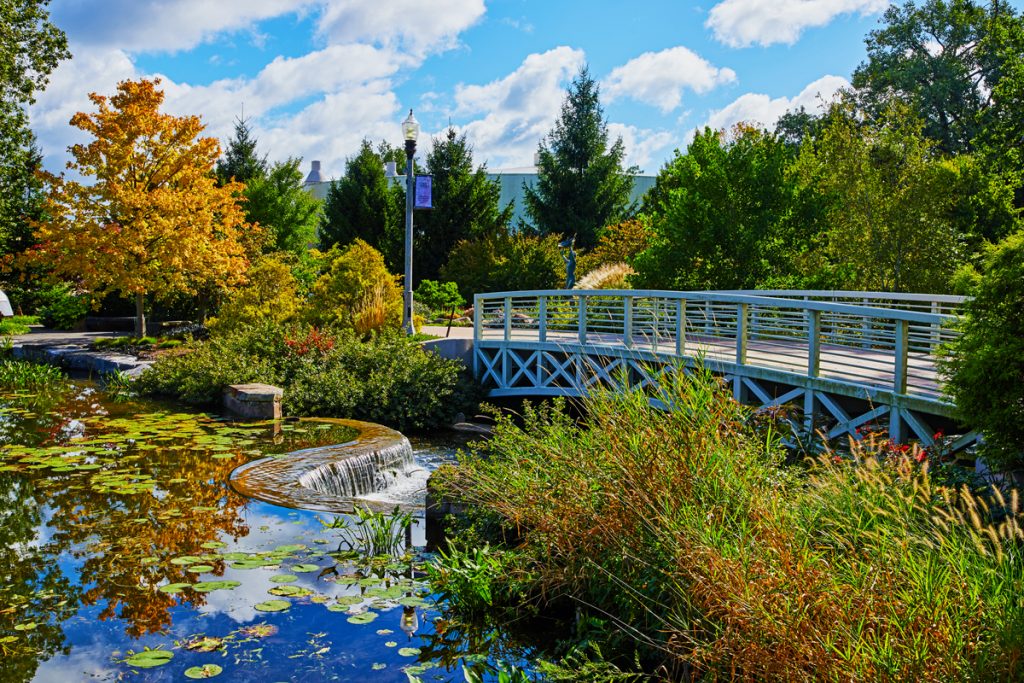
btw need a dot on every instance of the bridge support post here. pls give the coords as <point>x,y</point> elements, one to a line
<point>897,428</point>
<point>680,326</point>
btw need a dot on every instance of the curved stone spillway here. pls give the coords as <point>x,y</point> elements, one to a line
<point>333,478</point>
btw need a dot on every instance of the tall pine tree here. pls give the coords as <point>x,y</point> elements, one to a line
<point>366,205</point>
<point>581,183</point>
<point>240,161</point>
<point>465,205</point>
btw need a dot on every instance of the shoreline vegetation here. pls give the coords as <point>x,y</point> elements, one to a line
<point>689,551</point>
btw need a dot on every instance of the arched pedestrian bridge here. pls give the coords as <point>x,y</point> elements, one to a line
<point>843,360</point>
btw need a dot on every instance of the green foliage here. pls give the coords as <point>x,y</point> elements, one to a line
<point>711,558</point>
<point>18,374</point>
<point>465,204</point>
<point>62,308</point>
<point>470,577</point>
<point>889,202</point>
<point>387,379</point>
<point>581,183</point>
<point>240,161</point>
<point>366,205</point>
<point>373,533</point>
<point>272,293</point>
<point>279,203</point>
<point>505,261</point>
<point>440,297</point>
<point>727,214</point>
<point>985,365</point>
<point>938,58</point>
<point>17,324</point>
<point>357,291</point>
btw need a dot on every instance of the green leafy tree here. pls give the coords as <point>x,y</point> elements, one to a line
<point>240,161</point>
<point>890,202</point>
<point>1002,136</point>
<point>723,215</point>
<point>985,365</point>
<point>581,183</point>
<point>366,205</point>
<point>938,56</point>
<point>278,201</point>
<point>357,291</point>
<point>504,261</point>
<point>30,49</point>
<point>465,205</point>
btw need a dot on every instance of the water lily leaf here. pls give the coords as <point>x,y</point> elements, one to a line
<point>284,578</point>
<point>186,559</point>
<point>408,652</point>
<point>28,626</point>
<point>289,548</point>
<point>173,588</point>
<point>290,591</point>
<point>147,659</point>
<point>384,632</point>
<point>272,606</point>
<point>362,618</point>
<point>412,602</point>
<point>204,644</point>
<point>207,586</point>
<point>204,671</point>
<point>304,568</point>
<point>377,666</point>
<point>391,643</point>
<point>212,545</point>
<point>349,599</point>
<point>199,568</point>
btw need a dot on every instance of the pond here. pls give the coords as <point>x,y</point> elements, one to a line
<point>126,555</point>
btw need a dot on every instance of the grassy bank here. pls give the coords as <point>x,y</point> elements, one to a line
<point>693,553</point>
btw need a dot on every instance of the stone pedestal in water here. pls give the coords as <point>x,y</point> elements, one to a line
<point>254,401</point>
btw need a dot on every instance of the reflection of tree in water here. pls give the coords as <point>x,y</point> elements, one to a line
<point>33,590</point>
<point>114,534</point>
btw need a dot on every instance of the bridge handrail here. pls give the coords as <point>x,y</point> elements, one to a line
<point>730,297</point>
<point>891,347</point>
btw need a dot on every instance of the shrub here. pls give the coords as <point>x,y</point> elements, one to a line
<point>688,534</point>
<point>439,297</point>
<point>985,365</point>
<point>357,289</point>
<point>17,324</point>
<point>386,379</point>
<point>618,243</point>
<point>503,261</point>
<point>272,293</point>
<point>62,309</point>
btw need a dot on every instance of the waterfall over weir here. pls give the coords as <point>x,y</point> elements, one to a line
<point>376,469</point>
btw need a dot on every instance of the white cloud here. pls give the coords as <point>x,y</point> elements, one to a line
<point>519,109</point>
<point>763,110</point>
<point>162,25</point>
<point>659,78</point>
<point>642,144</point>
<point>741,23</point>
<point>415,25</point>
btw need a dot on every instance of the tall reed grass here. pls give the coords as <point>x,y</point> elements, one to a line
<point>685,530</point>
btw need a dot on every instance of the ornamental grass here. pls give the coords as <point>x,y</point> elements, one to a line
<point>713,560</point>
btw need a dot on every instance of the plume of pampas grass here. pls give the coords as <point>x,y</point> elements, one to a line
<point>608,276</point>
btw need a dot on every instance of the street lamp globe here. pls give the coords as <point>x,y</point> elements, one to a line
<point>411,128</point>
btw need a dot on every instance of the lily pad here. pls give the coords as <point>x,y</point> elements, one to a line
<point>207,586</point>
<point>305,568</point>
<point>408,651</point>
<point>362,618</point>
<point>290,591</point>
<point>272,606</point>
<point>204,671</point>
<point>186,559</point>
<point>199,568</point>
<point>147,659</point>
<point>284,578</point>
<point>173,588</point>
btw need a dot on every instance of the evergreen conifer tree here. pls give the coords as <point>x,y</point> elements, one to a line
<point>465,205</point>
<point>240,161</point>
<point>581,184</point>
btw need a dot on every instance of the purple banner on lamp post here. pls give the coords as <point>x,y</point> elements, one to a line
<point>423,199</point>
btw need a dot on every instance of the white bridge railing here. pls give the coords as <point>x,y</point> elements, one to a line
<point>861,339</point>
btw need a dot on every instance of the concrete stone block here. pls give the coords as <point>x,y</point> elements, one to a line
<point>254,401</point>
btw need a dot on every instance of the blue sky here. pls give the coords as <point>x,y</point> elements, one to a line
<point>316,76</point>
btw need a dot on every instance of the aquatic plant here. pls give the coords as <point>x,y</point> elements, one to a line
<point>19,374</point>
<point>686,533</point>
<point>373,533</point>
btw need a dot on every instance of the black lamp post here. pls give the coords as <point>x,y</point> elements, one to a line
<point>410,131</point>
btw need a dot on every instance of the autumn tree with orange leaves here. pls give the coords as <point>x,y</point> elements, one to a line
<point>154,220</point>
